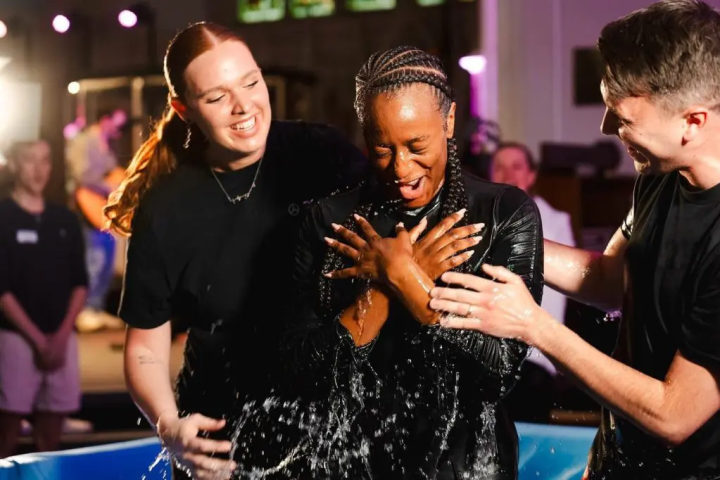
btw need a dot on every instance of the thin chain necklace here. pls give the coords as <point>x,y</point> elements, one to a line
<point>245,195</point>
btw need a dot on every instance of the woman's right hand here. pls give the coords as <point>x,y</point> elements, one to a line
<point>437,251</point>
<point>192,452</point>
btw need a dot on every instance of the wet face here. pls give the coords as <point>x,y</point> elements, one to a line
<point>511,166</point>
<point>653,137</point>
<point>228,100</point>
<point>31,167</point>
<point>407,136</point>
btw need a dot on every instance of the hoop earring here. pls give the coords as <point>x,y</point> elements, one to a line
<point>186,145</point>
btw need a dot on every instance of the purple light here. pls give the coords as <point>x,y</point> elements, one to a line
<point>3,29</point>
<point>61,23</point>
<point>473,64</point>
<point>127,19</point>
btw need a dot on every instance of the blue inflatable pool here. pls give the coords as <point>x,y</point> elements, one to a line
<point>547,452</point>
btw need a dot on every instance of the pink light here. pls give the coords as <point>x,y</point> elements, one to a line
<point>473,64</point>
<point>3,29</point>
<point>127,19</point>
<point>61,23</point>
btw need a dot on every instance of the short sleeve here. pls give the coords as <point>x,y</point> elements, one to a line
<point>627,225</point>
<point>701,328</point>
<point>146,291</point>
<point>78,273</point>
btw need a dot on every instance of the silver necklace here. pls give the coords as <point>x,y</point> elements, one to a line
<point>245,195</point>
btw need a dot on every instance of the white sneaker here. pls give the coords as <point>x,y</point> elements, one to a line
<point>75,425</point>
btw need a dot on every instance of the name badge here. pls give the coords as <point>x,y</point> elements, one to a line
<point>27,236</point>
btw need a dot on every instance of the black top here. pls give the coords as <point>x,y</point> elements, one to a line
<point>423,399</point>
<point>672,302</point>
<point>224,269</point>
<point>42,260</point>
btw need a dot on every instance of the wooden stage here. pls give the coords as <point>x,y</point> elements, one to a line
<point>101,361</point>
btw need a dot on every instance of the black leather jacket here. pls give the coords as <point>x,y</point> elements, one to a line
<point>417,402</point>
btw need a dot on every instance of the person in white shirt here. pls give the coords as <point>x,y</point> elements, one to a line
<point>513,164</point>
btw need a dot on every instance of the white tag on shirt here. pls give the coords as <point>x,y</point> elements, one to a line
<point>27,236</point>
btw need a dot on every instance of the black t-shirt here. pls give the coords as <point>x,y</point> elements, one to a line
<point>224,269</point>
<point>672,303</point>
<point>42,260</point>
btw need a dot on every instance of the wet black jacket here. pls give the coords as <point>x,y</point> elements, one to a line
<point>418,401</point>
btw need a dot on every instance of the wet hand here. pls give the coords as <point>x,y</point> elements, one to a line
<point>193,453</point>
<point>375,257</point>
<point>502,308</point>
<point>440,249</point>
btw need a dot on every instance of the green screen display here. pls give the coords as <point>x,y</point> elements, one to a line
<point>255,11</point>
<point>370,5</point>
<point>311,8</point>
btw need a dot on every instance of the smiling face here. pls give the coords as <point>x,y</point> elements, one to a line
<point>227,98</point>
<point>653,137</point>
<point>406,135</point>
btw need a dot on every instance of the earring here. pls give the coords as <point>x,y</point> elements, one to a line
<point>186,145</point>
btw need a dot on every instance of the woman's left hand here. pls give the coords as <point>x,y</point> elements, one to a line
<point>502,308</point>
<point>375,257</point>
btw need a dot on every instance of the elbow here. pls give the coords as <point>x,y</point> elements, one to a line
<point>674,432</point>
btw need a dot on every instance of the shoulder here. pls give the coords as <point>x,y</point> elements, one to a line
<point>172,188</point>
<point>334,209</point>
<point>305,133</point>
<point>6,206</point>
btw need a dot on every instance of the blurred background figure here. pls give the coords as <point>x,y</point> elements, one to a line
<point>43,287</point>
<point>92,173</point>
<point>513,164</point>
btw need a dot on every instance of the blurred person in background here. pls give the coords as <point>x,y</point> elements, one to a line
<point>43,287</point>
<point>513,164</point>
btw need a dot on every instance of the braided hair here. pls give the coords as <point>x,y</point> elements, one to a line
<point>388,72</point>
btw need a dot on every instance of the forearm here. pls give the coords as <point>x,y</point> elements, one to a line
<point>584,276</point>
<point>75,306</point>
<point>147,375</point>
<point>18,317</point>
<point>366,316</point>
<point>635,396</point>
<point>411,285</point>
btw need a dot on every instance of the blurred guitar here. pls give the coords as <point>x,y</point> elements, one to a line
<point>91,202</point>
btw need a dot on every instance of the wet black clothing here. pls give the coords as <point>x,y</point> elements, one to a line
<point>424,399</point>
<point>223,268</point>
<point>671,304</point>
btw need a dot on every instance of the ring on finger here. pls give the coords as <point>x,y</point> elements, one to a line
<point>470,310</point>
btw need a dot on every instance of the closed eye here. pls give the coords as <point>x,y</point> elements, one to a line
<point>252,84</point>
<point>216,99</point>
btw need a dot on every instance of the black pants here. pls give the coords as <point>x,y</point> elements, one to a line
<point>532,397</point>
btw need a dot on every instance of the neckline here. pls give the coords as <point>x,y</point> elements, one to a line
<point>695,195</point>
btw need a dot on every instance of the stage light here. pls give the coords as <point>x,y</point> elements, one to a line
<point>128,18</point>
<point>3,29</point>
<point>61,23</point>
<point>473,64</point>
<point>73,88</point>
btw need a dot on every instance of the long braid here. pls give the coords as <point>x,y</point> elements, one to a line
<point>386,72</point>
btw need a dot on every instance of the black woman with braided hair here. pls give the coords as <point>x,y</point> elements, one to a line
<point>416,400</point>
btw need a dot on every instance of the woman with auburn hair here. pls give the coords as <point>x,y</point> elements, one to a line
<point>211,203</point>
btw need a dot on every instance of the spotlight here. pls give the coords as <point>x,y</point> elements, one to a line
<point>128,18</point>
<point>3,29</point>
<point>61,23</point>
<point>73,88</point>
<point>473,64</point>
<point>140,13</point>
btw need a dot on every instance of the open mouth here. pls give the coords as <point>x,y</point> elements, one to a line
<point>412,189</point>
<point>244,126</point>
